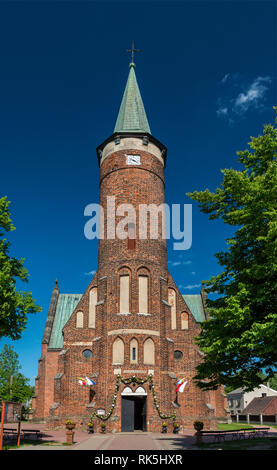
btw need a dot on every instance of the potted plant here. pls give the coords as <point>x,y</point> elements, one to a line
<point>198,425</point>
<point>69,424</point>
<point>90,427</point>
<point>164,427</point>
<point>176,427</point>
<point>103,427</point>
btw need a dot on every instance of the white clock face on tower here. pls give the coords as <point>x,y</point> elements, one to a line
<point>133,159</point>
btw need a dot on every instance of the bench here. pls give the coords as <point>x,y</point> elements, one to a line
<point>31,432</point>
<point>9,433</point>
<point>236,433</point>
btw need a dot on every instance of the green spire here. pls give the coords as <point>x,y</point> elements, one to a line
<point>132,116</point>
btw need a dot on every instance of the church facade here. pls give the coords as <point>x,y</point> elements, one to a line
<point>131,332</point>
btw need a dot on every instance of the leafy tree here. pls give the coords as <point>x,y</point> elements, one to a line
<point>14,305</point>
<point>239,340</point>
<point>19,390</point>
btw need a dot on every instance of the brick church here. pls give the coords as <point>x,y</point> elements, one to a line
<point>132,331</point>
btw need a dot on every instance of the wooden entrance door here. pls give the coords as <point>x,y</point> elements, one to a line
<point>127,414</point>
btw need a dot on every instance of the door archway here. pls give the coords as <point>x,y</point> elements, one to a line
<point>133,409</point>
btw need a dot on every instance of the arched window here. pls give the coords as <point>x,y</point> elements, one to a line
<point>79,320</point>
<point>172,302</point>
<point>143,293</point>
<point>133,351</point>
<point>124,296</point>
<point>118,351</point>
<point>92,303</point>
<point>149,351</point>
<point>184,321</point>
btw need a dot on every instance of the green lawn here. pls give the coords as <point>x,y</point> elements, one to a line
<point>267,443</point>
<point>227,427</point>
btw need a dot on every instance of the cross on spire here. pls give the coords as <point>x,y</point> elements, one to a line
<point>133,50</point>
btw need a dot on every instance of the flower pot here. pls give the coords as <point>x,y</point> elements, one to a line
<point>164,429</point>
<point>70,426</point>
<point>198,426</point>
<point>90,429</point>
<point>175,430</point>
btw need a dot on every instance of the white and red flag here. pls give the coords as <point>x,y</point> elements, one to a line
<point>181,385</point>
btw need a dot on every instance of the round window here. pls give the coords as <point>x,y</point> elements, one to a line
<point>178,355</point>
<point>87,353</point>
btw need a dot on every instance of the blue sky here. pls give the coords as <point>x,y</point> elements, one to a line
<point>207,75</point>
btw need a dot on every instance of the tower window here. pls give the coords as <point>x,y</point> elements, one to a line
<point>118,351</point>
<point>149,352</point>
<point>124,294</point>
<point>143,294</point>
<point>133,351</point>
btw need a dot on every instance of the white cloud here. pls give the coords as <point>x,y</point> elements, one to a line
<point>224,78</point>
<point>223,111</point>
<point>90,273</point>
<point>192,286</point>
<point>253,96</point>
<point>178,263</point>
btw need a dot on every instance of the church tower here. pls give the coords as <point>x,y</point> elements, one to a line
<point>132,331</point>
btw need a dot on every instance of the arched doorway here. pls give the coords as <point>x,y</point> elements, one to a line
<point>133,409</point>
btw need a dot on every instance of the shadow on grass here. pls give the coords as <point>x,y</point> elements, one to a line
<point>188,443</point>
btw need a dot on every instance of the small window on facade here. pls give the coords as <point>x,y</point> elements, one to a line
<point>118,351</point>
<point>79,320</point>
<point>87,353</point>
<point>133,351</point>
<point>178,355</point>
<point>172,302</point>
<point>184,321</point>
<point>149,351</point>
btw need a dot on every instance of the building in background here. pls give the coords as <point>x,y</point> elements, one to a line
<point>238,399</point>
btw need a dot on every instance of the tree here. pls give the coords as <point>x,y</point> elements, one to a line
<point>18,389</point>
<point>14,305</point>
<point>239,340</point>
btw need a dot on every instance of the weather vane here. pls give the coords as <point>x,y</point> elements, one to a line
<point>133,50</point>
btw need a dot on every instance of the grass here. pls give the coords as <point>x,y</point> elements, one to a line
<point>227,427</point>
<point>267,443</point>
<point>30,442</point>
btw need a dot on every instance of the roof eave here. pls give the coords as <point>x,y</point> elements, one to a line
<point>141,134</point>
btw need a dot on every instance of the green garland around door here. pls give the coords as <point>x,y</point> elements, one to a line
<point>134,380</point>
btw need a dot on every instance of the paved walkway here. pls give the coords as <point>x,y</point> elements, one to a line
<point>136,441</point>
<point>123,441</point>
<point>54,440</point>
